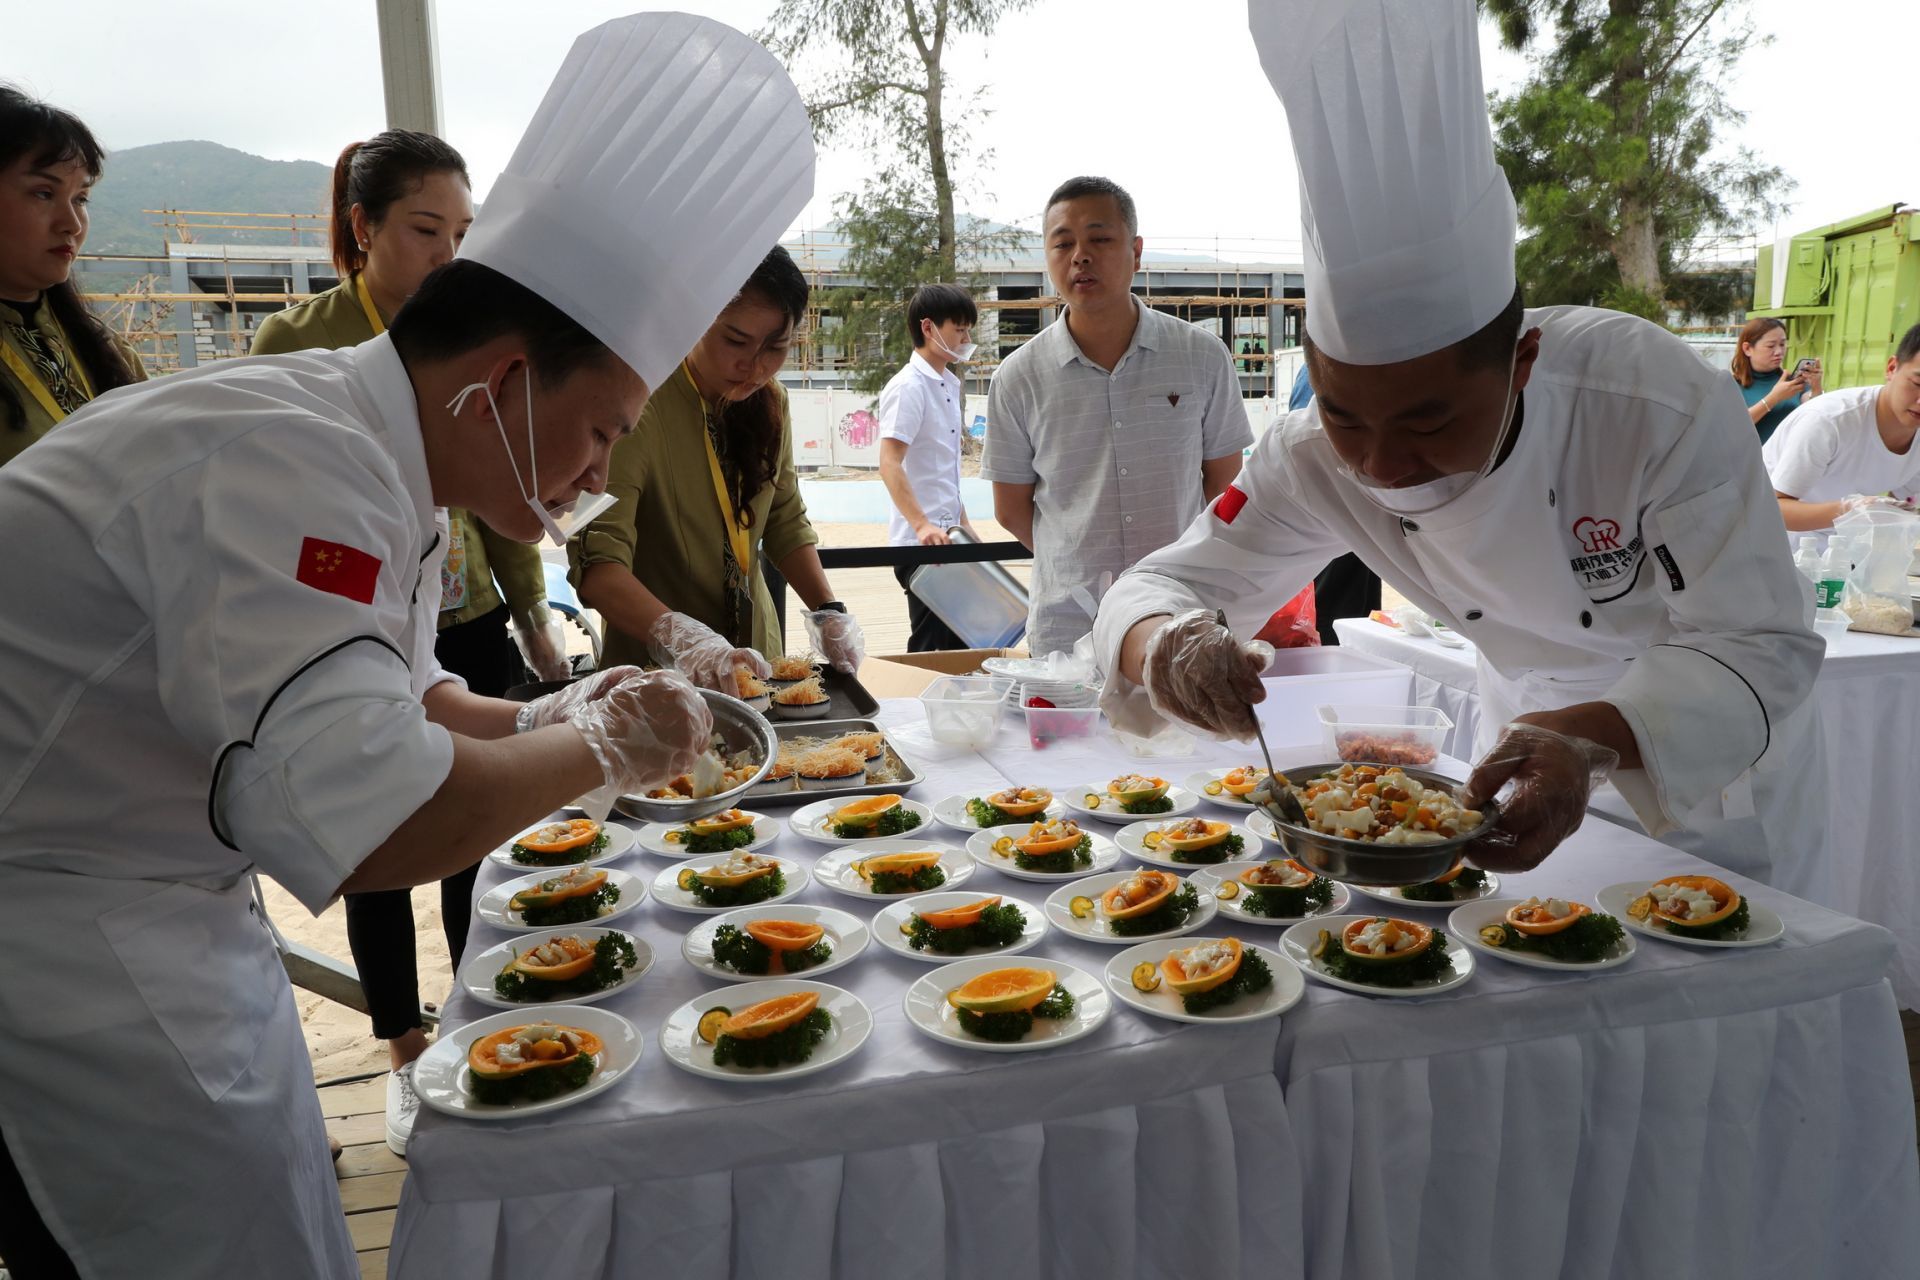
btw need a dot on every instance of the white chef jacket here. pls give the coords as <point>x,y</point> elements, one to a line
<point>922,408</point>
<point>186,694</point>
<point>1629,550</point>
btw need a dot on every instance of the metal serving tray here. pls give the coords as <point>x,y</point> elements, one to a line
<point>905,776</point>
<point>847,698</point>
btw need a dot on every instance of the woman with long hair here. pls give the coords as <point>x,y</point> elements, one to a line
<point>1757,366</point>
<point>401,205</point>
<point>705,485</point>
<point>55,355</point>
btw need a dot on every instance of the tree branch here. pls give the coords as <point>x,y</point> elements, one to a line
<point>1680,49</point>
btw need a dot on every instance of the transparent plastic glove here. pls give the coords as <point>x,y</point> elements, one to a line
<point>837,637</point>
<point>702,654</point>
<point>558,707</point>
<point>1553,776</point>
<point>647,731</point>
<point>1196,672</point>
<point>1869,502</point>
<point>542,643</point>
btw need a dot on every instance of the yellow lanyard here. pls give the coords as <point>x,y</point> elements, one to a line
<point>742,541</point>
<point>17,364</point>
<point>366,304</point>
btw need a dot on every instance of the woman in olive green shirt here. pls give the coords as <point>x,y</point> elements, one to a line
<point>705,485</point>
<point>54,354</point>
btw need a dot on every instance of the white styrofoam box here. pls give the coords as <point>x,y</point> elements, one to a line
<point>1300,680</point>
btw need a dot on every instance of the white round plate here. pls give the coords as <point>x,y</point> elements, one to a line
<point>809,820</point>
<point>1095,928</point>
<point>668,893</point>
<point>928,1010</point>
<point>1207,880</point>
<point>619,845</point>
<point>835,868</point>
<point>980,848</point>
<point>1466,922</point>
<point>846,932</point>
<point>1261,825</point>
<point>1132,842</point>
<point>1490,889</point>
<point>477,974</point>
<point>440,1074</point>
<point>1197,783</point>
<point>1297,945</point>
<point>681,1043</point>
<point>886,925</point>
<point>492,907</point>
<point>1164,1002</point>
<point>1109,810</point>
<point>653,836</point>
<point>952,812</point>
<point>1764,925</point>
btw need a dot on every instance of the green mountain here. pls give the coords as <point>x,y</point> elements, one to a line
<point>198,175</point>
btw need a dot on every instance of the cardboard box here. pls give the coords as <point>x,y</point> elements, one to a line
<point>907,675</point>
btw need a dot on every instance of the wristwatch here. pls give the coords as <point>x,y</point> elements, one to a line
<point>834,605</point>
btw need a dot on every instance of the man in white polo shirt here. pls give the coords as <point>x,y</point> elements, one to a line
<point>1848,447</point>
<point>1112,427</point>
<point>921,413</point>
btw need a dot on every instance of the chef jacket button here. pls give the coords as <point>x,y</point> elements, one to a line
<point>1473,615</point>
<point>1551,499</point>
<point>1129,519</point>
<point>1409,526</point>
<point>1123,471</point>
<point>1586,619</point>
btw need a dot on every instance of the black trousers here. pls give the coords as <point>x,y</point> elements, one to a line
<point>26,1246</point>
<point>1346,588</point>
<point>927,633</point>
<point>380,924</point>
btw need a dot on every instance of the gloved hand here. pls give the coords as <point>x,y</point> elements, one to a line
<point>557,707</point>
<point>837,637</point>
<point>542,643</point>
<point>647,731</point>
<point>1194,670</point>
<point>1870,502</point>
<point>701,654</point>
<point>1553,777</point>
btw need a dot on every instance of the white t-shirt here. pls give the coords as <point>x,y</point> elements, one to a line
<point>923,409</point>
<point>1830,447</point>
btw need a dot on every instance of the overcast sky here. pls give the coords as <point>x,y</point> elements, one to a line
<point>1164,96</point>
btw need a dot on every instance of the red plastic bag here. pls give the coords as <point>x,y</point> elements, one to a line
<point>1295,625</point>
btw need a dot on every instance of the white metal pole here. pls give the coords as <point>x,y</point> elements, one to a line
<point>410,64</point>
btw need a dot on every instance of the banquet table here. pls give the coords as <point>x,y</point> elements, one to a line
<point>1702,1113</point>
<point>1867,701</point>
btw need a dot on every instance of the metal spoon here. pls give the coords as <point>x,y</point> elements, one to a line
<point>1274,792</point>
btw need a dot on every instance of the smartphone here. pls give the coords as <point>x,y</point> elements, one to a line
<point>1805,367</point>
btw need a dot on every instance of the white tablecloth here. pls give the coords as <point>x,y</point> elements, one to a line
<point>1550,1126</point>
<point>1868,698</point>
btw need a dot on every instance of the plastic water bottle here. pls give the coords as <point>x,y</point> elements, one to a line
<point>1807,560</point>
<point>1832,582</point>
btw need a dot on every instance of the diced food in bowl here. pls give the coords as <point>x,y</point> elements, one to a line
<point>1195,840</point>
<point>1133,793</point>
<point>1384,746</point>
<point>1011,805</point>
<point>1382,806</point>
<point>1693,906</point>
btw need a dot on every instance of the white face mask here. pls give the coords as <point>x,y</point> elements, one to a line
<point>563,521</point>
<point>1425,499</point>
<point>960,355</point>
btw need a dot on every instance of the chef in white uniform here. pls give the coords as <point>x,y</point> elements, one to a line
<point>1569,487</point>
<point>217,657</point>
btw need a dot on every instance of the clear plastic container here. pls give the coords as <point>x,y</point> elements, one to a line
<point>1831,623</point>
<point>964,711</point>
<point>1385,735</point>
<point>1048,725</point>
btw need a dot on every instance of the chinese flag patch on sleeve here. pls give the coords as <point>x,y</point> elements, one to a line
<point>338,569</point>
<point>1228,504</point>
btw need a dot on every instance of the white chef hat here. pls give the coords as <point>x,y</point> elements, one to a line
<point>669,155</point>
<point>1408,222</point>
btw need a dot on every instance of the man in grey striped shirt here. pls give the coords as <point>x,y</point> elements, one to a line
<point>1111,429</point>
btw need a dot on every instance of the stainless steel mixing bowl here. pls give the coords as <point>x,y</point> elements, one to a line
<point>1368,863</point>
<point>742,729</point>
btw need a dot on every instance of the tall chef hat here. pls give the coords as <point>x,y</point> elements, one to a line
<point>1408,222</point>
<point>669,155</point>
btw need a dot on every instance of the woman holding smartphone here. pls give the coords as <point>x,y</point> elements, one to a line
<point>1758,367</point>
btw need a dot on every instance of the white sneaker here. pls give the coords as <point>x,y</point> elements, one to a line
<point>403,1104</point>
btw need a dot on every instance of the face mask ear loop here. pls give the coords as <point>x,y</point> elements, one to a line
<point>533,457</point>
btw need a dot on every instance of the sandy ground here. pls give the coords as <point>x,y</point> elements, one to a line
<point>341,1040</point>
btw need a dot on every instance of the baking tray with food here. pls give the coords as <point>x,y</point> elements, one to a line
<point>826,758</point>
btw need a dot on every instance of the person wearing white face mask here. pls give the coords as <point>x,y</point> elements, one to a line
<point>1570,488</point>
<point>256,548</point>
<point>922,420</point>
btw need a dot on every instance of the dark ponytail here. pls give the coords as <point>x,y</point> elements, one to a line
<point>50,136</point>
<point>375,173</point>
<point>749,447</point>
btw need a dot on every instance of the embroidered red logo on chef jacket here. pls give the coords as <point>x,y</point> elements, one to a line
<point>1597,535</point>
<point>1228,504</point>
<point>338,569</point>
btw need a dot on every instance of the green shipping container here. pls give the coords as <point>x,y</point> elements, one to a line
<point>1847,292</point>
